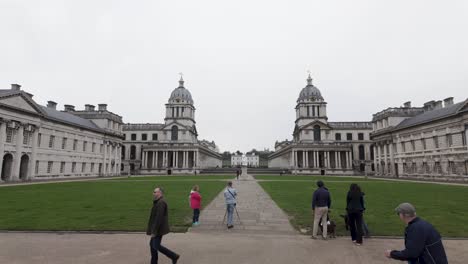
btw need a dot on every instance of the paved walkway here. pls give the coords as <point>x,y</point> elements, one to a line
<point>257,212</point>
<point>197,248</point>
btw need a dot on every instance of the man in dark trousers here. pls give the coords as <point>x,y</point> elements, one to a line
<point>158,226</point>
<point>321,202</point>
<point>423,243</point>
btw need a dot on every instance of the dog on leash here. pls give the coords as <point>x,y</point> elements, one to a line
<point>331,228</point>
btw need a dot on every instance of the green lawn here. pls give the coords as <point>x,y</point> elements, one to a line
<point>120,204</point>
<point>444,206</point>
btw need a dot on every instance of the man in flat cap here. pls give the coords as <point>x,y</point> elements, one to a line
<point>423,243</point>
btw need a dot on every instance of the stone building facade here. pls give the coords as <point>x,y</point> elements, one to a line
<point>249,160</point>
<point>322,147</point>
<point>172,147</point>
<point>40,142</point>
<point>427,142</point>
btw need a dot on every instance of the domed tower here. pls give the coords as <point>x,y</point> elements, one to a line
<point>180,107</point>
<point>310,105</point>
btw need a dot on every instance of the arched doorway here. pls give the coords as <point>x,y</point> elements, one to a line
<point>24,167</point>
<point>7,164</point>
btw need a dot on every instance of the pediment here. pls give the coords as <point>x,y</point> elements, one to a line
<point>169,125</point>
<point>314,123</point>
<point>20,101</point>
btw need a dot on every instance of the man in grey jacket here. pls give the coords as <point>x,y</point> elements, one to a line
<point>230,195</point>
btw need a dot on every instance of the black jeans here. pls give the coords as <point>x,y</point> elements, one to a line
<point>196,215</point>
<point>355,226</point>
<point>155,246</point>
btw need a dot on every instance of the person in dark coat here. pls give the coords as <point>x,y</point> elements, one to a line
<point>321,202</point>
<point>355,207</point>
<point>158,226</point>
<point>423,244</point>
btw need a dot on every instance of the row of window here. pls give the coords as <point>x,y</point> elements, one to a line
<point>84,146</point>
<point>144,137</point>
<point>426,168</point>
<point>435,140</point>
<point>50,167</point>
<point>349,136</point>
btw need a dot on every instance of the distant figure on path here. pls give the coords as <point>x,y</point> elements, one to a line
<point>423,243</point>
<point>321,202</point>
<point>158,226</point>
<point>237,174</point>
<point>230,195</point>
<point>195,204</point>
<point>355,207</point>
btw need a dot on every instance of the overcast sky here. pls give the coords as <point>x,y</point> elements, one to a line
<point>244,61</point>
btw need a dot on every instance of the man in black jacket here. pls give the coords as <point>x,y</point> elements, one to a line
<point>158,226</point>
<point>321,202</point>
<point>423,243</point>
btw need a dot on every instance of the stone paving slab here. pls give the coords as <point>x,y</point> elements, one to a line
<point>195,248</point>
<point>257,212</point>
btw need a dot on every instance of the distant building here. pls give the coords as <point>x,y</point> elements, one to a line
<point>322,147</point>
<point>171,147</point>
<point>249,160</point>
<point>41,142</point>
<point>422,142</point>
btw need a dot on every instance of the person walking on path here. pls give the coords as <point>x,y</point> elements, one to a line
<point>158,226</point>
<point>355,207</point>
<point>423,244</point>
<point>237,174</point>
<point>230,195</point>
<point>321,202</point>
<point>195,204</point>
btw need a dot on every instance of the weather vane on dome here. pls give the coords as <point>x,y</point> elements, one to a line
<point>181,75</point>
<point>309,79</point>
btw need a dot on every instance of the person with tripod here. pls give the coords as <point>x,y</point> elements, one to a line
<point>230,195</point>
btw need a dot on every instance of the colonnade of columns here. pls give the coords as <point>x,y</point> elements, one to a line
<point>183,159</point>
<point>321,159</point>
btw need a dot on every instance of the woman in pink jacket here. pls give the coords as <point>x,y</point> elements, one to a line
<point>195,204</point>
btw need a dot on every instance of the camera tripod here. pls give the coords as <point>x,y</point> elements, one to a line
<point>225,214</point>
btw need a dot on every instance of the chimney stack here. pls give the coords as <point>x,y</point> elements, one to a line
<point>89,107</point>
<point>15,87</point>
<point>428,106</point>
<point>407,104</point>
<point>102,107</point>
<point>438,105</point>
<point>69,108</point>
<point>448,101</point>
<point>52,104</point>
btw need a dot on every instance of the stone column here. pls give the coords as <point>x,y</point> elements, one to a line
<point>104,171</point>
<point>17,158</point>
<point>350,162</point>
<point>143,160</point>
<point>376,153</point>
<point>164,159</point>
<point>291,160</point>
<point>328,159</point>
<point>296,165</point>
<point>385,170</point>
<point>3,125</point>
<point>307,159</point>
<point>303,159</point>
<point>185,160</point>
<point>32,166</point>
<point>155,155</point>
<point>314,154</point>
<point>392,166</point>
<point>338,159</point>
